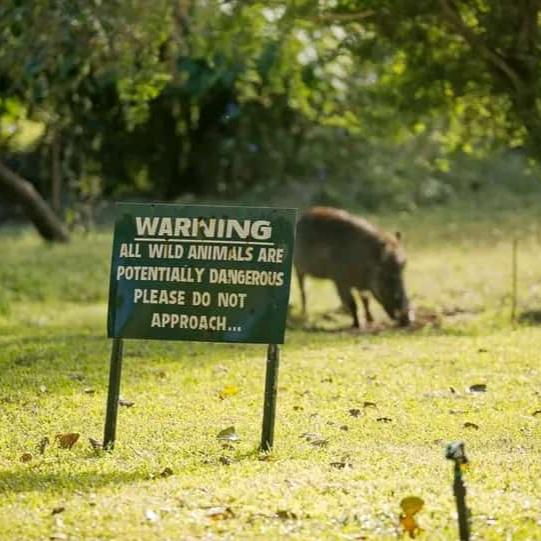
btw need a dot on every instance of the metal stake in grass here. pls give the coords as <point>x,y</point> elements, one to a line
<point>455,452</point>
<point>271,386</point>
<point>514,281</point>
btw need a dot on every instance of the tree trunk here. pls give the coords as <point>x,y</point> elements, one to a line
<point>35,207</point>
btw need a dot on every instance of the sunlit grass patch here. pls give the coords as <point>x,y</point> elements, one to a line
<point>363,417</point>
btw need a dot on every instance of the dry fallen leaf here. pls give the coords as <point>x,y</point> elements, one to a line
<point>286,515</point>
<point>536,413</point>
<point>468,424</point>
<point>315,439</point>
<point>125,403</point>
<point>95,444</point>
<point>220,513</point>
<point>166,472</point>
<point>66,441</point>
<point>59,509</point>
<point>26,457</point>
<point>89,390</point>
<point>228,391</point>
<point>340,465</point>
<point>228,434</point>
<point>384,420</point>
<point>354,412</point>
<point>368,404</point>
<point>409,524</point>
<point>320,443</point>
<point>478,388</point>
<point>410,506</point>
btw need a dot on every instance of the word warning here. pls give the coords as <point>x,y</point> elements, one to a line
<point>201,273</point>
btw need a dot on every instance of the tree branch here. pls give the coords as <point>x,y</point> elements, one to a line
<point>454,19</point>
<point>329,16</point>
<point>19,189</point>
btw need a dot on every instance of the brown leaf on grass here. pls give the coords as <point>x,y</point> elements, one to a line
<point>340,465</point>
<point>410,506</point>
<point>478,388</point>
<point>228,391</point>
<point>26,457</point>
<point>228,434</point>
<point>384,420</point>
<point>309,436</point>
<point>126,403</point>
<point>536,413</point>
<point>95,444</point>
<point>166,472</point>
<point>220,513</point>
<point>468,424</point>
<point>368,404</point>
<point>345,428</point>
<point>57,510</point>
<point>314,439</point>
<point>409,525</point>
<point>88,390</point>
<point>66,441</point>
<point>355,412</point>
<point>225,460</point>
<point>320,443</point>
<point>284,514</point>
<point>43,445</point>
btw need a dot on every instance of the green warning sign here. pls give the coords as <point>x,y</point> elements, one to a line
<point>201,273</point>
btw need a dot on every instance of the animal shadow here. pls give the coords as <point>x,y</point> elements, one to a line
<point>530,317</point>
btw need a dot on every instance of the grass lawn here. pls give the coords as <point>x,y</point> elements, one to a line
<point>362,418</point>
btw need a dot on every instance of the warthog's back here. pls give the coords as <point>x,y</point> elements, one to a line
<point>334,244</point>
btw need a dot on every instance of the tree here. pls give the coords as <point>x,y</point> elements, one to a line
<point>22,192</point>
<point>476,63</point>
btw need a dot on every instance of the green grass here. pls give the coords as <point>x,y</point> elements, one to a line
<point>53,348</point>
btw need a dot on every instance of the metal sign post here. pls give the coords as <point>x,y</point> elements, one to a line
<point>269,406</point>
<point>113,394</point>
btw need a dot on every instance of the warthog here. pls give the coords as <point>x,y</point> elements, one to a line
<point>337,245</point>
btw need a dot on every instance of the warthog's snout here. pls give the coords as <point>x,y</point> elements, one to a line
<point>405,317</point>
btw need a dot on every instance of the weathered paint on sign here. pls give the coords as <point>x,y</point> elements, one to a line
<point>201,273</point>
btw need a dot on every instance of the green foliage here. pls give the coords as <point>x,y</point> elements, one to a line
<point>219,98</point>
